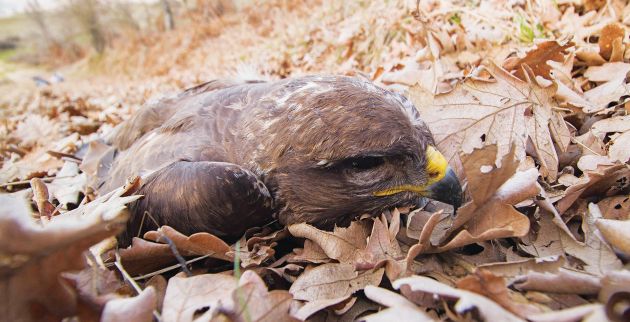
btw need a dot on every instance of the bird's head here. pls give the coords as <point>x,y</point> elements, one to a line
<point>341,147</point>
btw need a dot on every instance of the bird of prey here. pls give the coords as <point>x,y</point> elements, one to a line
<point>227,156</point>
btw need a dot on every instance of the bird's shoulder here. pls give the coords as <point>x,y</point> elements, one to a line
<point>178,112</point>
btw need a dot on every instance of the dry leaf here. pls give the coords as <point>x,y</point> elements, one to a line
<point>522,267</point>
<point>611,42</point>
<point>36,255</point>
<point>139,308</point>
<point>493,287</point>
<point>545,241</point>
<point>537,59</point>
<point>617,207</point>
<point>143,256</point>
<point>252,302</point>
<point>252,257</point>
<point>95,287</point>
<point>341,244</point>
<point>36,163</point>
<point>590,144</point>
<point>194,245</point>
<point>616,124</point>
<point>491,215</point>
<point>412,73</point>
<point>399,308</point>
<point>383,249</point>
<point>612,77</point>
<point>96,162</point>
<point>332,281</point>
<point>424,240</point>
<point>568,96</point>
<point>40,197</point>
<point>616,233</point>
<point>159,283</point>
<point>568,315</point>
<point>478,113</point>
<point>563,281</point>
<point>68,185</point>
<point>601,177</point>
<point>556,117</point>
<point>313,307</point>
<point>35,129</point>
<point>185,296</point>
<point>416,220</point>
<point>266,237</point>
<point>614,282</point>
<point>311,253</point>
<point>359,309</point>
<point>466,300</point>
<point>597,256</point>
<point>619,147</point>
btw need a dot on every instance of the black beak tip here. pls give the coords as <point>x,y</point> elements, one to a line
<point>448,190</point>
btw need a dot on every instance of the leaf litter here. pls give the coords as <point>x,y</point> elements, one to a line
<point>528,101</point>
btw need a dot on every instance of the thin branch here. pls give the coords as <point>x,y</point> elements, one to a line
<point>584,146</point>
<point>178,256</point>
<point>46,179</point>
<point>169,268</point>
<point>132,282</point>
<point>126,275</point>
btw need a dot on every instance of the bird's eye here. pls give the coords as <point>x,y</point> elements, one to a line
<point>365,163</point>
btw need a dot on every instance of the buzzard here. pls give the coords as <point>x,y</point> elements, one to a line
<point>226,156</point>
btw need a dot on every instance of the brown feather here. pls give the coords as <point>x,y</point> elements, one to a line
<point>298,136</point>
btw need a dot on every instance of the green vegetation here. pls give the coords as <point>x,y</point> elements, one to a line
<point>455,19</point>
<point>528,31</point>
<point>6,55</point>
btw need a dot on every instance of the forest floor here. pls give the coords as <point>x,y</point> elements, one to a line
<point>544,235</point>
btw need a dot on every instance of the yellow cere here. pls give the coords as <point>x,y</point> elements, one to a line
<point>436,165</point>
<point>436,168</point>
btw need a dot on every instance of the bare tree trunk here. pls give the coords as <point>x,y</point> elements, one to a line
<point>86,12</point>
<point>34,12</point>
<point>123,10</point>
<point>94,27</point>
<point>169,21</point>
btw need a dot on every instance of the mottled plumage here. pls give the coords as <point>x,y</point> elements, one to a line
<point>227,156</point>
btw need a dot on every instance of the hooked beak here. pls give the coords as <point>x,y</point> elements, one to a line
<point>443,184</point>
<point>447,190</point>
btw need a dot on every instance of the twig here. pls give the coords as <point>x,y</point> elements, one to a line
<point>171,244</point>
<point>144,216</point>
<point>563,109</point>
<point>56,211</point>
<point>584,146</point>
<point>270,223</point>
<point>126,275</point>
<point>84,201</point>
<point>45,179</point>
<point>180,259</point>
<point>61,155</point>
<point>133,283</point>
<point>169,268</point>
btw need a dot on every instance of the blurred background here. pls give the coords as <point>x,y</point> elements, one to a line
<point>171,44</point>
